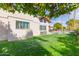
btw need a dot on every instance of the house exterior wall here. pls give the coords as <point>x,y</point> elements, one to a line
<point>47,26</point>
<point>3,28</point>
<point>8,26</point>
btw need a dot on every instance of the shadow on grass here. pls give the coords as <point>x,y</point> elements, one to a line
<point>32,47</point>
<point>28,47</point>
<point>39,38</point>
<point>69,42</point>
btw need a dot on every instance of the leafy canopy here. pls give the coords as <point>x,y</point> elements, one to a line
<point>72,24</point>
<point>40,9</point>
<point>57,26</point>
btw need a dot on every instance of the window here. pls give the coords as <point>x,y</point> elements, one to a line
<point>22,25</point>
<point>42,27</point>
<point>43,20</point>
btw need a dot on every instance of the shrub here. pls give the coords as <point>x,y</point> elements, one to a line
<point>77,35</point>
<point>77,31</point>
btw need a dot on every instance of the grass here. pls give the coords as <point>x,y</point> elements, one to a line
<point>47,45</point>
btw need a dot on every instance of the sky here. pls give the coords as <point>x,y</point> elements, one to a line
<point>64,18</point>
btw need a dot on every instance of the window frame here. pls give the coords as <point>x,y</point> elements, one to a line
<point>42,27</point>
<point>43,20</point>
<point>22,25</point>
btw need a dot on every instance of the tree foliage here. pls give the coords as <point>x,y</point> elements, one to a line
<point>72,24</point>
<point>57,26</point>
<point>40,9</point>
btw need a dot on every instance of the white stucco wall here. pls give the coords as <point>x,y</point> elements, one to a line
<point>9,21</point>
<point>3,28</point>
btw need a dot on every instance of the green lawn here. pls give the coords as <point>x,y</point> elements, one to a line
<point>51,45</point>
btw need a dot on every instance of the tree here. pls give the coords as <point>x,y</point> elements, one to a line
<point>40,9</point>
<point>57,26</point>
<point>72,24</point>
